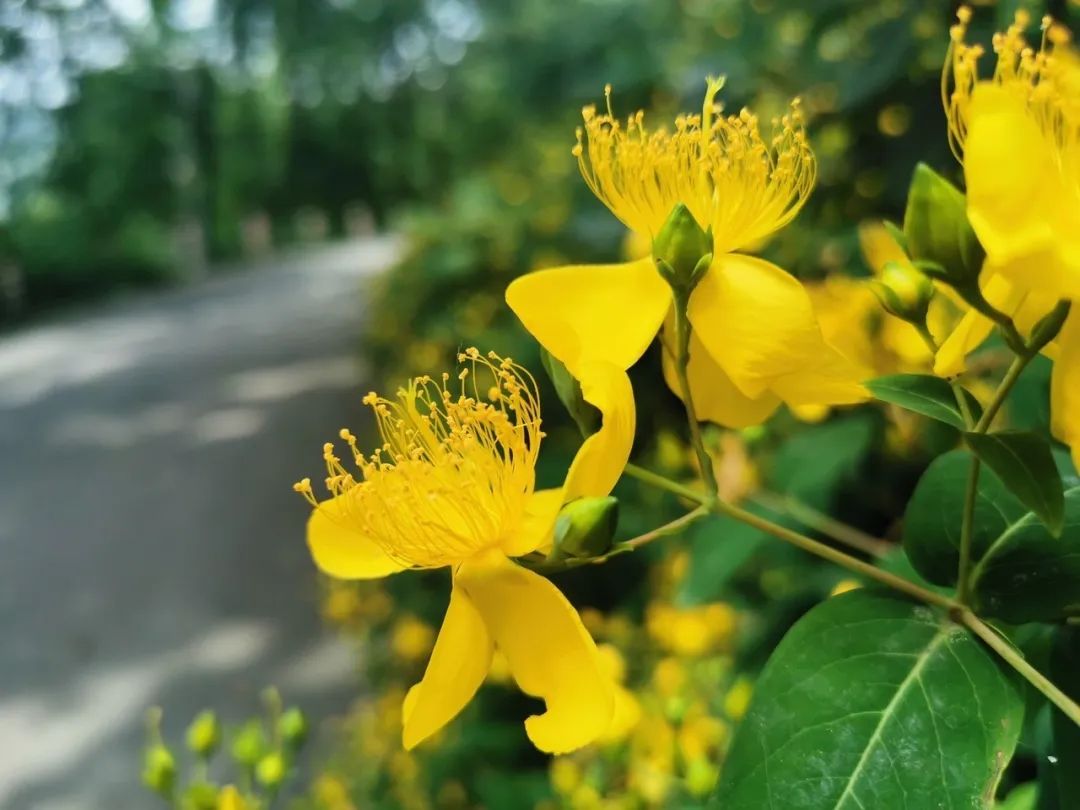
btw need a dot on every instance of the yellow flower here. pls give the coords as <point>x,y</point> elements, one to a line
<point>693,631</point>
<point>737,700</point>
<point>230,799</point>
<point>411,639</point>
<point>453,485</point>
<point>756,342</point>
<point>1018,135</point>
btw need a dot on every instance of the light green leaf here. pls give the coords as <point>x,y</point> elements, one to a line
<point>922,393</point>
<point>871,701</point>
<point>933,516</point>
<point>1025,465</point>
<point>1028,575</point>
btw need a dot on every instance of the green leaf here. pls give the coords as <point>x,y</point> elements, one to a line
<point>922,393</point>
<point>1064,666</point>
<point>719,547</point>
<point>932,520</point>
<point>1025,465</point>
<point>871,701</point>
<point>1028,575</point>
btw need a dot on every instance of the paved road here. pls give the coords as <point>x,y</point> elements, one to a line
<point>151,551</point>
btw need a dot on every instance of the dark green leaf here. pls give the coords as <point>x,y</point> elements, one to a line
<point>1025,465</point>
<point>1028,575</point>
<point>1063,761</point>
<point>872,701</point>
<point>922,393</point>
<point>933,516</point>
<point>719,547</point>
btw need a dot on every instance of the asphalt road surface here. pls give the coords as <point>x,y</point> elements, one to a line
<point>151,549</point>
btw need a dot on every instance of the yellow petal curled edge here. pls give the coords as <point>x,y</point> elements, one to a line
<point>758,323</point>
<point>550,653</point>
<point>458,664</point>
<point>602,456</point>
<point>536,527</point>
<point>605,312</point>
<point>339,550</point>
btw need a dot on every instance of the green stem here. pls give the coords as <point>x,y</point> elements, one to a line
<point>1012,374</point>
<point>827,525</point>
<point>967,530</point>
<point>682,360</point>
<point>662,482</point>
<point>833,555</point>
<point>1017,661</point>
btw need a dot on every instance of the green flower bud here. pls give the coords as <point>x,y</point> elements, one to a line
<point>293,727</point>
<point>568,389</point>
<point>682,251</point>
<point>200,796</point>
<point>249,744</point>
<point>271,770</point>
<point>159,770</point>
<point>204,734</point>
<point>586,526</point>
<point>937,231</point>
<point>904,292</point>
<point>1048,326</point>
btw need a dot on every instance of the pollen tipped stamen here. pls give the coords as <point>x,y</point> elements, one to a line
<point>454,469</point>
<point>719,166</point>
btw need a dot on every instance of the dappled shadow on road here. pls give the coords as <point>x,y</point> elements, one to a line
<point>153,548</point>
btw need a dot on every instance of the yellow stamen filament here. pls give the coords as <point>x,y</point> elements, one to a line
<point>1047,80</point>
<point>454,471</point>
<point>720,167</point>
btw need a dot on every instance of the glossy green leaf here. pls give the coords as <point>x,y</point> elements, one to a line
<point>932,520</point>
<point>1025,465</point>
<point>922,393</point>
<point>1027,574</point>
<point>814,463</point>
<point>872,701</point>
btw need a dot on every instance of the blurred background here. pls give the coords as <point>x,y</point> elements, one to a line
<point>223,221</point>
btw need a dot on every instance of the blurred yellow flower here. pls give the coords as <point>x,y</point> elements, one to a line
<point>231,799</point>
<point>411,639</point>
<point>691,632</point>
<point>453,485</point>
<point>756,341</point>
<point>737,700</point>
<point>1017,133</point>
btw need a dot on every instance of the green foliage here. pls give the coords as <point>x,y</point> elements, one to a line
<point>925,394</point>
<point>1026,467</point>
<point>933,516</point>
<point>1027,574</point>
<point>873,701</point>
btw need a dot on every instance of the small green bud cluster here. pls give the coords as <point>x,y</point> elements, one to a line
<point>261,748</point>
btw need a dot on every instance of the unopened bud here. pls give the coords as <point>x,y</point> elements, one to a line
<point>682,251</point>
<point>271,770</point>
<point>938,234</point>
<point>293,727</point>
<point>204,734</point>
<point>249,744</point>
<point>1048,326</point>
<point>903,291</point>
<point>568,389</point>
<point>159,770</point>
<point>586,526</point>
<point>200,796</point>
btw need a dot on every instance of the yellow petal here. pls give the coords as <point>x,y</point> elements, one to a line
<point>758,324</point>
<point>605,312</point>
<point>974,328</point>
<point>602,457</point>
<point>1065,388</point>
<point>1023,213</point>
<point>458,664</point>
<point>879,247</point>
<point>339,550</point>
<point>536,528</point>
<point>716,399</point>
<point>550,653</point>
